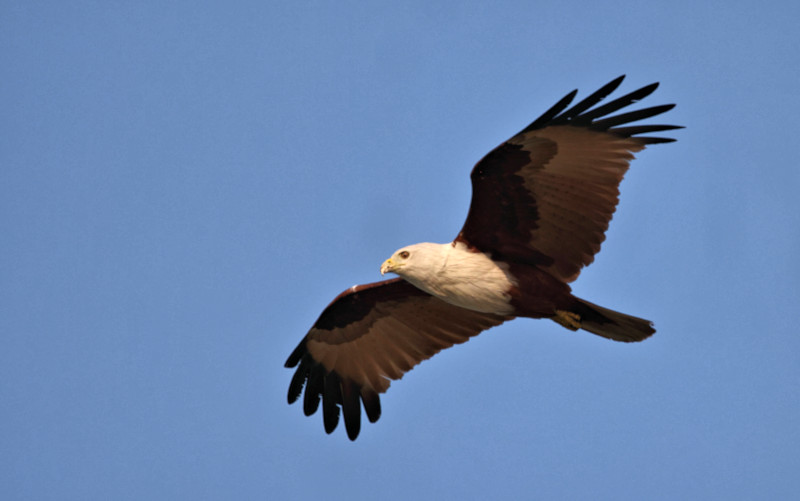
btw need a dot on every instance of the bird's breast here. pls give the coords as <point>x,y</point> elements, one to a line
<point>471,280</point>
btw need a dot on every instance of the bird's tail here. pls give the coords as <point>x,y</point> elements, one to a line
<point>611,324</point>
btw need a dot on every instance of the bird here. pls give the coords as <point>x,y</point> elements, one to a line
<point>541,204</point>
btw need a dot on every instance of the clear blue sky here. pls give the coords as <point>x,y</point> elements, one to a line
<point>184,186</point>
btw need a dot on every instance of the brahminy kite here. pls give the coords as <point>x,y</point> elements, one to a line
<point>541,203</point>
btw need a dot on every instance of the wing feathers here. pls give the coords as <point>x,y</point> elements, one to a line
<point>550,114</point>
<point>592,100</point>
<point>314,383</point>
<point>296,356</point>
<point>546,196</point>
<point>633,116</point>
<point>655,140</point>
<point>344,362</point>
<point>298,380</point>
<point>643,129</point>
<point>351,409</point>
<point>372,404</point>
<point>617,104</point>
<point>332,394</point>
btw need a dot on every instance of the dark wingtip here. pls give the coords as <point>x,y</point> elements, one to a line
<point>554,110</point>
<point>631,116</point>
<point>331,396</point>
<point>647,90</point>
<point>372,405</point>
<point>351,408</point>
<point>339,398</point>
<point>296,384</point>
<point>656,140</point>
<point>311,398</point>
<point>586,113</point>
<point>296,355</point>
<point>589,101</point>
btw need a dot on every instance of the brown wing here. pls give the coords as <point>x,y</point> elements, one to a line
<point>545,197</point>
<point>367,336</point>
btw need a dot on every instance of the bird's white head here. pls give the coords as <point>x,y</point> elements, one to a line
<point>413,259</point>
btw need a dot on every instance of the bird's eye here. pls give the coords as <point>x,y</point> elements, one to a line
<point>405,254</point>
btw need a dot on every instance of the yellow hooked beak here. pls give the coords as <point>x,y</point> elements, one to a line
<point>388,266</point>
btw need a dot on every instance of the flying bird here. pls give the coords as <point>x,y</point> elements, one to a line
<point>541,203</point>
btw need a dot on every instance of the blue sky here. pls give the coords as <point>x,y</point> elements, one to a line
<point>184,187</point>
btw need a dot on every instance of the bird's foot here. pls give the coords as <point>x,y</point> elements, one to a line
<point>571,321</point>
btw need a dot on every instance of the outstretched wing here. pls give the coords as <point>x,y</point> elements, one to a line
<point>369,335</point>
<point>545,196</point>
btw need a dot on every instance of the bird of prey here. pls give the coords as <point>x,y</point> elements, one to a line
<point>541,203</point>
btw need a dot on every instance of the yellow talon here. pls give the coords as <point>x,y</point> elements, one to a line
<point>571,321</point>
